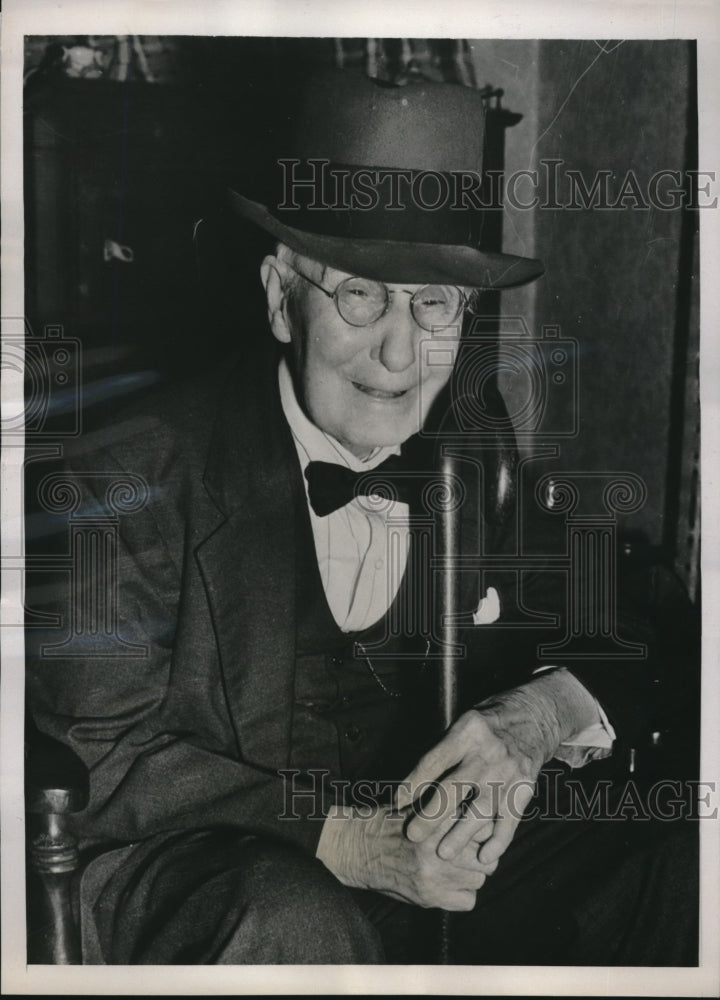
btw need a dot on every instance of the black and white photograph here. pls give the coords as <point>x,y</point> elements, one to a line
<point>355,612</point>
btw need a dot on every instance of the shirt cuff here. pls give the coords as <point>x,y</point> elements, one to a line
<point>593,743</point>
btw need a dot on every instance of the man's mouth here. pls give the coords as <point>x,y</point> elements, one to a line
<point>378,393</point>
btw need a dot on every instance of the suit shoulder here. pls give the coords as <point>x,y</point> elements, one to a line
<point>170,425</point>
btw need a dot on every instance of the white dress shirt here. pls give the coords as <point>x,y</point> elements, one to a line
<point>361,548</point>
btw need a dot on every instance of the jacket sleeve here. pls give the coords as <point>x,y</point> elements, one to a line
<point>161,749</point>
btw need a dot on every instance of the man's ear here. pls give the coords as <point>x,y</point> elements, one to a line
<point>272,279</point>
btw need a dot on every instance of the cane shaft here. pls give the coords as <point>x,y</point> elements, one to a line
<point>449,546</point>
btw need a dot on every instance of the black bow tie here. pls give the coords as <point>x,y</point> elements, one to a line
<point>331,486</point>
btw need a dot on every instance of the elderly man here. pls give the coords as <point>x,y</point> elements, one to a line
<point>227,749</point>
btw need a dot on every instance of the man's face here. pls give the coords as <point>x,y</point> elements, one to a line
<point>366,386</point>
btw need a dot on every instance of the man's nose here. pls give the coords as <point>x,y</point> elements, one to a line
<point>398,335</point>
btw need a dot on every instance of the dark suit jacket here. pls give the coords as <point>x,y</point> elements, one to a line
<point>192,733</point>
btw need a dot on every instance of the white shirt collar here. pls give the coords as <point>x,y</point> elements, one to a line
<point>314,445</point>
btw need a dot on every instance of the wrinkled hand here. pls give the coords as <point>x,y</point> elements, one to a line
<point>437,849</point>
<point>371,851</point>
<point>484,770</point>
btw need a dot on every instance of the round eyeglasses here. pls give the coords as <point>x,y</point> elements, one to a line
<point>361,302</point>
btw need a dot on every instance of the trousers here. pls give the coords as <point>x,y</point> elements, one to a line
<point>569,890</point>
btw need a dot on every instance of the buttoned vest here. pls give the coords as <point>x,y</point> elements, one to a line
<point>362,702</point>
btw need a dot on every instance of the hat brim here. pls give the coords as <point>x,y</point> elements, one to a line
<point>392,261</point>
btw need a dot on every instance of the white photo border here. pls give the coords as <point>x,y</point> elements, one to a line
<point>572,19</point>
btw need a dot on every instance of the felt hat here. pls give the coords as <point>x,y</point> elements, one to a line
<point>383,181</point>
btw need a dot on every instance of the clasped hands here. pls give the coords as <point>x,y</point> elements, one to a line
<point>437,849</point>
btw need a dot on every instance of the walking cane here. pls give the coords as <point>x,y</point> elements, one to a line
<point>448,604</point>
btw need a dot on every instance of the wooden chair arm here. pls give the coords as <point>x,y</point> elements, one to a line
<point>56,787</point>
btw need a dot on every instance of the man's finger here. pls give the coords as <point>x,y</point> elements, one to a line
<point>468,860</point>
<point>476,881</point>
<point>427,770</point>
<point>494,848</point>
<point>454,800</point>
<point>467,830</point>
<point>507,823</point>
<point>435,816</point>
<point>464,835</point>
<point>473,819</point>
<point>484,833</point>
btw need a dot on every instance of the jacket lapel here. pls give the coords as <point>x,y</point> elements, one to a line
<point>248,562</point>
